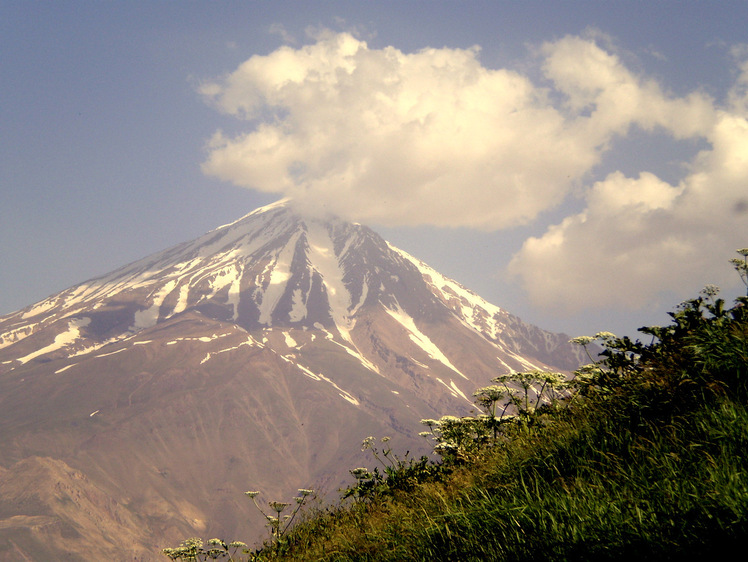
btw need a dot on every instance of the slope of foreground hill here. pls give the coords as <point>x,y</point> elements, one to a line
<point>648,460</point>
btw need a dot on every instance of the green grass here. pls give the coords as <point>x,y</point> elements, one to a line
<point>589,493</point>
<point>649,461</point>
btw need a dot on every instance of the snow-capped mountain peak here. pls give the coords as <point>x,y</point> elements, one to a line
<point>271,268</point>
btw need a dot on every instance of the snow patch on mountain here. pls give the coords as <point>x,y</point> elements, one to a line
<point>280,273</point>
<point>111,352</point>
<point>342,393</point>
<point>14,336</point>
<point>250,342</point>
<point>298,306</point>
<point>421,339</point>
<point>229,276</point>
<point>39,308</point>
<point>320,377</point>
<point>504,364</point>
<point>62,340</point>
<point>322,256</point>
<point>530,366</point>
<point>472,310</point>
<point>454,390</point>
<point>149,317</point>
<point>290,342</point>
<point>353,352</point>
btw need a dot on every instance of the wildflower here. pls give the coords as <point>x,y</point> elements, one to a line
<point>491,393</point>
<point>360,473</point>
<point>385,439</point>
<point>710,290</point>
<point>429,422</point>
<point>581,340</point>
<point>589,370</point>
<point>743,252</point>
<point>305,492</point>
<point>252,494</point>
<point>605,336</point>
<point>446,446</point>
<point>278,506</point>
<point>237,544</point>
<point>366,443</point>
<point>426,434</point>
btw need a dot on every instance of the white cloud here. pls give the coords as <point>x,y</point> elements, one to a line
<point>640,236</point>
<point>434,137</point>
<point>379,135</point>
<point>605,97</point>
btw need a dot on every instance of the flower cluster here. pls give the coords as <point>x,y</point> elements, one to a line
<point>279,525</point>
<point>360,473</point>
<point>192,549</point>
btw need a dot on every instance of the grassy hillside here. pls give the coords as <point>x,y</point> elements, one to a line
<point>643,456</point>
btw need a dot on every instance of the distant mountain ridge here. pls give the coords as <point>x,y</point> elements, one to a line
<point>286,337</point>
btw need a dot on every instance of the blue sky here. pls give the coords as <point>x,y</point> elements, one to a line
<point>582,164</point>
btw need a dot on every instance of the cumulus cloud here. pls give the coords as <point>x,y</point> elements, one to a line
<point>378,135</point>
<point>638,237</point>
<point>604,97</point>
<point>434,137</point>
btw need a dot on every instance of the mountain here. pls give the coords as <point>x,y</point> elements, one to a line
<point>137,408</point>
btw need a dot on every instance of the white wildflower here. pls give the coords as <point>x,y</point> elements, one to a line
<point>582,340</point>
<point>278,506</point>
<point>605,336</point>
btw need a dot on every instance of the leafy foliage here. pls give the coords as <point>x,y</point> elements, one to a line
<point>639,455</point>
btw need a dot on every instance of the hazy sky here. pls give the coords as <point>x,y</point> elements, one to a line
<point>583,165</point>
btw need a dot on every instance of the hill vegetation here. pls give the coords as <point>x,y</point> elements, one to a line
<point>641,456</point>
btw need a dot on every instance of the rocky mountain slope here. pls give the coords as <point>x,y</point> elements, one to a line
<point>137,408</point>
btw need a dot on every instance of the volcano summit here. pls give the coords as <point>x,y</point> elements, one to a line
<point>137,408</point>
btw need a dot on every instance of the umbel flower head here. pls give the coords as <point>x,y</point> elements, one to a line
<point>360,473</point>
<point>278,506</point>
<point>605,336</point>
<point>582,340</point>
<point>367,443</point>
<point>252,494</point>
<point>710,290</point>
